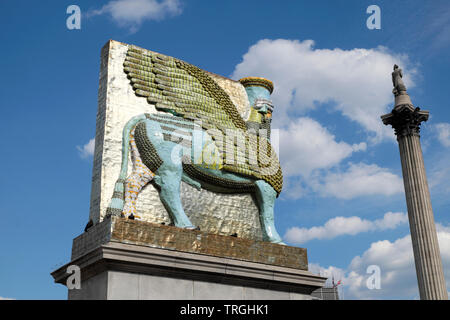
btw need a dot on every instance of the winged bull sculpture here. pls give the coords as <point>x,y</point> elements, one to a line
<point>198,137</point>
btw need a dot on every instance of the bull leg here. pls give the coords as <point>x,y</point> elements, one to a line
<point>133,186</point>
<point>169,179</point>
<point>265,196</point>
<point>138,179</point>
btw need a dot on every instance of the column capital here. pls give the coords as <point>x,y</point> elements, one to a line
<point>406,120</point>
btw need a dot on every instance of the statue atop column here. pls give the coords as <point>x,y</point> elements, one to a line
<point>401,96</point>
<point>397,81</point>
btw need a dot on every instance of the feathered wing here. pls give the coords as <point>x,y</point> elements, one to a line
<point>185,90</point>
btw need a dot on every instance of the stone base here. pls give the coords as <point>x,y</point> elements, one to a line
<point>126,259</point>
<point>402,99</point>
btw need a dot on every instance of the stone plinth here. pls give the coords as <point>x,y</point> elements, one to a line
<point>129,259</point>
<point>143,233</point>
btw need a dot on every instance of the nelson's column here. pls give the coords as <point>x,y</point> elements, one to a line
<point>406,119</point>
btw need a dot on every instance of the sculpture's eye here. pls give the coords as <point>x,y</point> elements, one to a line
<point>257,106</point>
<point>261,103</point>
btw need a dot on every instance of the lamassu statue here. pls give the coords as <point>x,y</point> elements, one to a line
<point>198,137</point>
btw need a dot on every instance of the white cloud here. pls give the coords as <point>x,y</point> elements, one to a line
<point>443,132</point>
<point>345,226</point>
<point>444,229</point>
<point>132,13</point>
<point>308,152</point>
<point>88,149</point>
<point>3,298</point>
<point>439,174</point>
<point>357,82</point>
<point>360,180</point>
<point>362,146</point>
<point>305,145</point>
<point>396,263</point>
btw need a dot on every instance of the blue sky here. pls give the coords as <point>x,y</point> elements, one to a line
<point>343,198</point>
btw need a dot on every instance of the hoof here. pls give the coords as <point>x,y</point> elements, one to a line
<point>132,217</point>
<point>189,226</point>
<point>277,241</point>
<point>88,225</point>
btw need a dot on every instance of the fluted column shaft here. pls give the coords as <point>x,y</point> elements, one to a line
<point>430,275</point>
<point>406,120</point>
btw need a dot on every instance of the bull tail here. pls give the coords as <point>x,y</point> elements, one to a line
<point>118,199</point>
